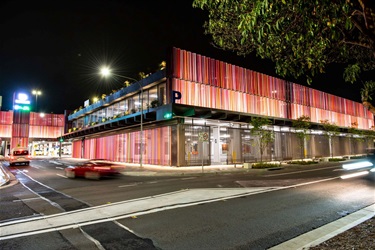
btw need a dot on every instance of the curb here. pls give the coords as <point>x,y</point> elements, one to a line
<point>4,177</point>
<point>328,231</point>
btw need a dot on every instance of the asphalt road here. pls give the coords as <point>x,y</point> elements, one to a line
<point>294,201</point>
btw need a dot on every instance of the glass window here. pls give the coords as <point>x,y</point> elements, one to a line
<point>122,107</point>
<point>109,112</point>
<point>153,97</point>
<point>145,102</point>
<point>80,122</point>
<point>131,104</point>
<point>162,94</point>
<point>115,109</point>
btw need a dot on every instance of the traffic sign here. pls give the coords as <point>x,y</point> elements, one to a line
<point>203,136</point>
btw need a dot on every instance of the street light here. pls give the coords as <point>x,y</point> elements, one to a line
<point>106,72</point>
<point>36,92</point>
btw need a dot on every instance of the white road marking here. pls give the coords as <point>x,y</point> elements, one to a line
<point>297,172</point>
<point>96,242</point>
<point>189,178</point>
<point>29,199</point>
<point>130,208</point>
<point>62,176</point>
<point>330,230</point>
<point>131,185</point>
<point>59,168</point>
<point>55,162</point>
<point>119,210</point>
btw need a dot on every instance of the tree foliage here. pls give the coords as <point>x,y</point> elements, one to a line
<point>265,136</point>
<point>301,37</point>
<point>330,130</point>
<point>302,126</point>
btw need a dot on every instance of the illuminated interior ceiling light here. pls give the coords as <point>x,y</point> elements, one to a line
<point>347,176</point>
<point>357,165</point>
<point>318,132</point>
<point>200,121</point>
<point>225,136</point>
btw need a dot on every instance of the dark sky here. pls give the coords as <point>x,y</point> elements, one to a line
<point>59,46</point>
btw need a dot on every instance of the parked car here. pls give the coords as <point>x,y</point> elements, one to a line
<point>92,169</point>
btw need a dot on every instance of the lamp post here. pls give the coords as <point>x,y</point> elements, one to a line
<point>61,139</point>
<point>36,92</point>
<point>106,72</point>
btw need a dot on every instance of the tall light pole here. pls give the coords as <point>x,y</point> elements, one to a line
<point>106,72</point>
<point>36,92</point>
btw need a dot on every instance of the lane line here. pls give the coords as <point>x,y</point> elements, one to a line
<point>131,184</point>
<point>63,176</point>
<point>126,209</point>
<point>112,212</point>
<point>96,242</point>
<point>298,172</point>
<point>189,178</point>
<point>43,198</point>
<point>29,199</point>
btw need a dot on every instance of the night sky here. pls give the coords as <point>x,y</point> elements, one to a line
<point>59,46</point>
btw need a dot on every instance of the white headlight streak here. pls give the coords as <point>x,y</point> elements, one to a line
<point>357,165</point>
<point>347,176</point>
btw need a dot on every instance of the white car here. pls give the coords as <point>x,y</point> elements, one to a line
<point>19,156</point>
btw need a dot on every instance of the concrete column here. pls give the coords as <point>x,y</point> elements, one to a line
<point>215,146</point>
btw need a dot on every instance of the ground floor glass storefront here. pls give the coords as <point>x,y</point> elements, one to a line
<point>195,142</point>
<point>49,148</point>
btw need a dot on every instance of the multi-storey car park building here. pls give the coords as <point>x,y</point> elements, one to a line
<point>198,110</point>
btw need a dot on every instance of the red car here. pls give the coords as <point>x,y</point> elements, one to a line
<point>92,169</point>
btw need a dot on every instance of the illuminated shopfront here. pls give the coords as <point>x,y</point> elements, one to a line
<point>29,129</point>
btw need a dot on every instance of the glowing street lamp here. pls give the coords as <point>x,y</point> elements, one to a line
<point>106,72</point>
<point>36,92</point>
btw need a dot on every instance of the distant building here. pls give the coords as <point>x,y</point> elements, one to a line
<point>39,132</point>
<point>198,110</point>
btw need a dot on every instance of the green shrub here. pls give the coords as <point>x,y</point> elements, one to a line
<point>303,162</point>
<point>336,159</point>
<point>265,165</point>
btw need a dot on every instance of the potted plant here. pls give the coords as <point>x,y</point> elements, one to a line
<point>155,103</point>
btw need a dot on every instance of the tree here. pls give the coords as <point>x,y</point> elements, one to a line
<point>302,125</point>
<point>330,130</point>
<point>355,135</point>
<point>301,37</point>
<point>265,136</point>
